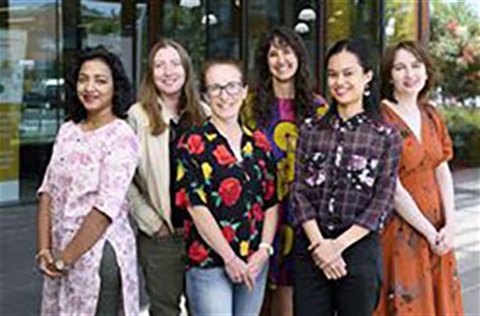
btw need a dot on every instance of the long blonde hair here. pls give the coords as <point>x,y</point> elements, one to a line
<point>189,97</point>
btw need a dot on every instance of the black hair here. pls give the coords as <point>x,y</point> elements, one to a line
<point>123,95</point>
<point>367,62</point>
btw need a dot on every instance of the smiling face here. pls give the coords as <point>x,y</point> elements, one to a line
<point>409,75</point>
<point>225,91</point>
<point>282,61</point>
<point>95,87</point>
<point>168,71</point>
<point>347,79</point>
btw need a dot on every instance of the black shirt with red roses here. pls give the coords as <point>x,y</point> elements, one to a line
<point>236,193</point>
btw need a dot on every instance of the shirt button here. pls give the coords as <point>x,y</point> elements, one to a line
<point>330,227</point>
<point>330,205</point>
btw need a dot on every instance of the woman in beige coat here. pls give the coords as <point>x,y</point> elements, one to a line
<point>168,104</point>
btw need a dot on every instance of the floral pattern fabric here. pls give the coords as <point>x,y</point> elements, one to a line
<point>345,173</point>
<point>91,170</point>
<point>415,280</point>
<point>237,193</point>
<point>282,132</point>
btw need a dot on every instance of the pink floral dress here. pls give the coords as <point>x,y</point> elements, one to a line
<point>87,170</point>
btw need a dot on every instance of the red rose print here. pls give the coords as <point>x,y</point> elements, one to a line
<point>187,226</point>
<point>269,189</point>
<point>253,228</point>
<point>261,141</point>
<point>228,233</point>
<point>197,252</point>
<point>257,212</point>
<point>262,164</point>
<point>230,190</point>
<point>181,199</point>
<point>223,156</point>
<point>195,144</point>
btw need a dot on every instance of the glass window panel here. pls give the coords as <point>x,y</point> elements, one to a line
<point>400,20</point>
<point>306,24</point>
<point>30,94</point>
<point>224,28</point>
<point>352,18</point>
<point>182,22</point>
<point>101,24</point>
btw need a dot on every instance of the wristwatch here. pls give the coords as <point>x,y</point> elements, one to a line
<point>267,247</point>
<point>61,266</point>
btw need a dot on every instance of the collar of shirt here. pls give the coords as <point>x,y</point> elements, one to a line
<point>168,114</point>
<point>351,123</point>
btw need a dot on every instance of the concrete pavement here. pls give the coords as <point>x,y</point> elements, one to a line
<point>20,283</point>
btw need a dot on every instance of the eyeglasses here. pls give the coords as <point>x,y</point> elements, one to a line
<point>232,88</point>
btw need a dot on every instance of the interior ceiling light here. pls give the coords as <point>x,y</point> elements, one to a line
<point>302,28</point>
<point>307,15</point>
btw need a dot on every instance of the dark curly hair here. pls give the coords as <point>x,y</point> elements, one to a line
<point>367,62</point>
<point>264,96</point>
<point>122,97</point>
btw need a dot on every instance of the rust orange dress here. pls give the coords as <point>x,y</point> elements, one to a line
<point>415,280</point>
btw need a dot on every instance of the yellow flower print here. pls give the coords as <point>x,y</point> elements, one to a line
<point>285,136</point>
<point>211,137</point>
<point>244,248</point>
<point>248,148</point>
<point>207,170</point>
<point>201,193</point>
<point>247,131</point>
<point>322,110</point>
<point>180,171</point>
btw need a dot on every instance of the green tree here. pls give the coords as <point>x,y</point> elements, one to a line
<point>455,47</point>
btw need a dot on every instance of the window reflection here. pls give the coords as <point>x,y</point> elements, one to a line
<point>30,93</point>
<point>352,18</point>
<point>224,35</point>
<point>400,20</point>
<point>182,21</point>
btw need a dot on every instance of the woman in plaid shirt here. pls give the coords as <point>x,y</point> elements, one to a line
<point>345,175</point>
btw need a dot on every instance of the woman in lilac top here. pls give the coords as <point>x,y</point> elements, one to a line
<point>86,247</point>
<point>283,99</point>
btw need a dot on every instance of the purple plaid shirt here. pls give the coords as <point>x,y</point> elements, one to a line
<point>345,172</point>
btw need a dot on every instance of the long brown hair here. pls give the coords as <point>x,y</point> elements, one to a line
<point>420,53</point>
<point>264,96</point>
<point>189,99</point>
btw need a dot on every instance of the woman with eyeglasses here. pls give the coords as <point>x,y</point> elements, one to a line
<point>226,180</point>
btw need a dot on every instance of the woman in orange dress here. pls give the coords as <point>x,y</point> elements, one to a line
<point>420,276</point>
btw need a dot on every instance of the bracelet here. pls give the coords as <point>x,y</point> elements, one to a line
<point>42,252</point>
<point>314,246</point>
<point>267,247</point>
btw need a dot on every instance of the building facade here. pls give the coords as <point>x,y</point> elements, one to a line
<point>38,38</point>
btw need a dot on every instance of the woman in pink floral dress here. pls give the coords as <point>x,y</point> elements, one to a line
<point>87,248</point>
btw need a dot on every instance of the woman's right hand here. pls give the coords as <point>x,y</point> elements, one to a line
<point>433,238</point>
<point>45,264</point>
<point>237,271</point>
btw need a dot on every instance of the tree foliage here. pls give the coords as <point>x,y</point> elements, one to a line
<point>455,47</point>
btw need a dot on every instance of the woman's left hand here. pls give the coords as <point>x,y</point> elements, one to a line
<point>256,262</point>
<point>445,240</point>
<point>45,264</point>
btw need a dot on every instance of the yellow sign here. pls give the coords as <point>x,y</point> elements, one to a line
<point>9,141</point>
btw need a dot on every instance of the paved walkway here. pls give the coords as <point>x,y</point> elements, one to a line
<point>20,284</point>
